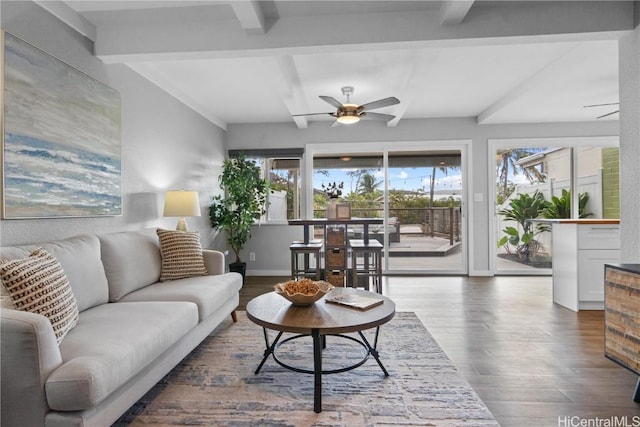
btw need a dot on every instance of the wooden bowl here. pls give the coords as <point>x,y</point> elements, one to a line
<point>303,299</point>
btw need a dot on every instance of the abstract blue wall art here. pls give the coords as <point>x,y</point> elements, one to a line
<point>61,152</point>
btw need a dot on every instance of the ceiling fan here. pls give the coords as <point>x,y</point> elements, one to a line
<point>604,105</point>
<point>348,113</point>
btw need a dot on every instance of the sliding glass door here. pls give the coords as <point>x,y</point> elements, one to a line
<point>537,179</point>
<point>417,191</point>
<point>425,203</point>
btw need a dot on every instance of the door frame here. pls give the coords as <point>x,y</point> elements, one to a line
<point>555,142</point>
<point>381,148</point>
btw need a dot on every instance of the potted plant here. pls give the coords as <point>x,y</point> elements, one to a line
<point>243,202</point>
<point>333,191</point>
<point>521,210</point>
<point>560,207</point>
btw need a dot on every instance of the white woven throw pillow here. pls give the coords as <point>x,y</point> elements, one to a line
<point>38,284</point>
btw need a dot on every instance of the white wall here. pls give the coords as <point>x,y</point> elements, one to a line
<point>275,239</point>
<point>629,55</point>
<point>165,145</point>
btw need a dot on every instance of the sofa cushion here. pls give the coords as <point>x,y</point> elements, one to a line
<point>207,292</point>
<point>80,259</point>
<point>131,261</point>
<point>181,254</point>
<point>38,284</point>
<point>112,343</point>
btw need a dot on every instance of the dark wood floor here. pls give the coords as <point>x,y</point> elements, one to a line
<point>532,362</point>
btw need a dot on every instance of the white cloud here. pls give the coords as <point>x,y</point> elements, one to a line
<point>449,182</point>
<point>520,179</point>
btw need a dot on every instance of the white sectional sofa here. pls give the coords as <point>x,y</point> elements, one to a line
<point>131,330</point>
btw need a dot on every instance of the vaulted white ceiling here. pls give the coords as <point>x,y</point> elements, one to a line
<point>264,61</point>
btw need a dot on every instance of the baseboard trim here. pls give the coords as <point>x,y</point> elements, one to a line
<point>268,272</point>
<point>480,273</point>
<point>477,273</point>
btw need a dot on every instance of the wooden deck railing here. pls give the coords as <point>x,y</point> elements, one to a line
<point>441,222</point>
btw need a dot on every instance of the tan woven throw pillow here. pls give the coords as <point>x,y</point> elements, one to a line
<point>181,254</point>
<point>39,285</point>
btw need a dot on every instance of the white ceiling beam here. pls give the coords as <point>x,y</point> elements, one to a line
<point>60,10</point>
<point>250,15</point>
<point>193,36</point>
<point>528,84</point>
<point>286,81</point>
<point>151,73</point>
<point>420,63</point>
<point>453,12</point>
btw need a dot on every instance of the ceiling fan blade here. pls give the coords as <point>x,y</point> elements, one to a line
<point>601,105</point>
<point>377,116</point>
<point>392,100</point>
<point>608,114</point>
<point>311,114</point>
<point>336,124</point>
<point>331,101</point>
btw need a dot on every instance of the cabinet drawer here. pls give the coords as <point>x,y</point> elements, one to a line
<point>335,236</point>
<point>335,258</point>
<point>335,277</point>
<point>598,237</point>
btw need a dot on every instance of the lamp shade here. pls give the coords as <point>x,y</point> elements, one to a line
<point>347,120</point>
<point>181,203</point>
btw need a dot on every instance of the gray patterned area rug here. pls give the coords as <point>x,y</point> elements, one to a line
<point>216,385</point>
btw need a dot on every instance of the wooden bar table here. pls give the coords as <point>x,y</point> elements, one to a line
<point>323,222</point>
<point>336,267</point>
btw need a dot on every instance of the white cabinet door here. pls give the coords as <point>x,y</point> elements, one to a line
<point>591,272</point>
<point>598,236</point>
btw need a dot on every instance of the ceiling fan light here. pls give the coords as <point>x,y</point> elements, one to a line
<point>348,120</point>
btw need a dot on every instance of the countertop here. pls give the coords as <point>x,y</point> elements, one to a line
<point>631,268</point>
<point>589,221</point>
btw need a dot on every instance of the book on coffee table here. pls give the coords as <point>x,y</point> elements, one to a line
<point>355,301</point>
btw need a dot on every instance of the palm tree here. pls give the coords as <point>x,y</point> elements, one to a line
<point>367,184</point>
<point>508,159</point>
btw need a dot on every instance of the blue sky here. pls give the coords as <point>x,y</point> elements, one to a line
<point>400,179</point>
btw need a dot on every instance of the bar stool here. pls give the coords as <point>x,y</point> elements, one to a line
<point>371,266</point>
<point>302,268</point>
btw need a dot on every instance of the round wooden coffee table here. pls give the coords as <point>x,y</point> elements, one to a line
<point>271,311</point>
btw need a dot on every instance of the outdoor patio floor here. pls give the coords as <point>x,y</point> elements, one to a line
<point>422,253</point>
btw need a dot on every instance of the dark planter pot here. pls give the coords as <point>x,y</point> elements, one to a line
<point>239,267</point>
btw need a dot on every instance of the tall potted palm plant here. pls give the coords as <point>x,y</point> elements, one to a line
<point>244,201</point>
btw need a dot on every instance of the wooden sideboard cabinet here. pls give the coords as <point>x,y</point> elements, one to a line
<point>622,317</point>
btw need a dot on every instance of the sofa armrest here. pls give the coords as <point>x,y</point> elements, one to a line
<point>214,261</point>
<point>29,355</point>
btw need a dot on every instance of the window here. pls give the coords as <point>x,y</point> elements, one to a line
<point>537,179</point>
<point>281,168</point>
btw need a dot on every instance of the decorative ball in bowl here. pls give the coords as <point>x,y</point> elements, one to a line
<point>304,292</point>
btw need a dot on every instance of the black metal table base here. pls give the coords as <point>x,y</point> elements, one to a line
<point>319,343</point>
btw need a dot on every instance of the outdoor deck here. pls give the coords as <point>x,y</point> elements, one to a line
<point>414,243</point>
<point>423,253</point>
<point>420,253</point>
